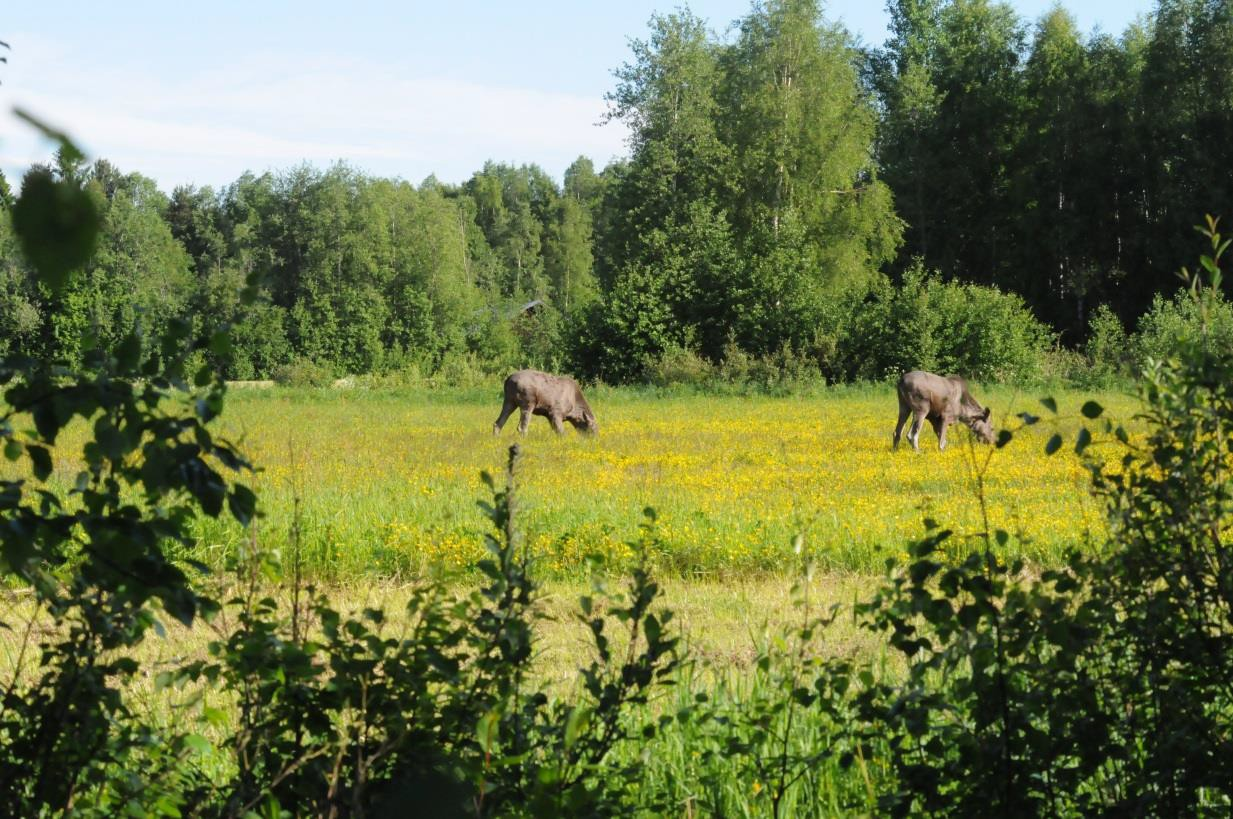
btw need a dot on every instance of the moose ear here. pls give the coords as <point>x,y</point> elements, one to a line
<point>988,412</point>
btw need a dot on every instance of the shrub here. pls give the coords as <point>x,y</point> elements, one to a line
<point>612,339</point>
<point>463,370</point>
<point>260,344</point>
<point>102,560</point>
<point>1172,323</point>
<point>358,720</point>
<point>1108,348</point>
<point>539,339</point>
<point>1062,367</point>
<point>678,365</point>
<point>735,365</point>
<point>782,371</point>
<point>978,332</point>
<point>1100,688</point>
<point>303,372</point>
<point>494,346</point>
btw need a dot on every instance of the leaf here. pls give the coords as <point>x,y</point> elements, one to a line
<point>71,152</point>
<point>1092,410</point>
<point>128,353</point>
<point>57,225</point>
<point>125,665</point>
<point>242,503</point>
<point>1028,418</point>
<point>180,604</point>
<point>1053,445</point>
<point>220,343</point>
<point>40,458</point>
<point>576,724</point>
<point>47,420</point>
<point>1004,438</point>
<point>1049,404</point>
<point>1084,439</point>
<point>207,487</point>
<point>215,716</point>
<point>486,731</point>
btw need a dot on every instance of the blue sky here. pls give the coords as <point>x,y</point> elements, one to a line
<point>199,93</point>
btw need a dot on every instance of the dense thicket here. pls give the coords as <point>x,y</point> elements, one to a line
<point>780,185</point>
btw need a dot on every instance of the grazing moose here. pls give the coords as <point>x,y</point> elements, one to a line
<point>537,393</point>
<point>943,400</point>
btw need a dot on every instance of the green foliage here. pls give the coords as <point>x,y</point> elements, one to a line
<point>1108,348</point>
<point>356,719</point>
<point>611,341</point>
<point>1084,158</point>
<point>783,371</point>
<point>929,324</point>
<point>303,372</point>
<point>721,227</point>
<point>1101,687</point>
<point>1001,710</point>
<point>1171,325</point>
<point>797,716</point>
<point>858,333</point>
<point>678,365</point>
<point>774,176</point>
<point>101,559</point>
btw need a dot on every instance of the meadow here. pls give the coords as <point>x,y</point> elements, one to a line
<point>387,481</point>
<point>382,487</point>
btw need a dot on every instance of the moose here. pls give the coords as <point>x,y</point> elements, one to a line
<point>943,400</point>
<point>556,397</point>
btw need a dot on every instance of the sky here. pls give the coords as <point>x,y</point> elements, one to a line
<point>191,93</point>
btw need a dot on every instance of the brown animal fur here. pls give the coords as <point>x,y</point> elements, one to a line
<point>943,400</point>
<point>555,397</point>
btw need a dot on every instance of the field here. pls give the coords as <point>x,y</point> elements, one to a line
<point>388,482</point>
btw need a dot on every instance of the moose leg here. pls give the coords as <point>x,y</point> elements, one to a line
<point>524,420</point>
<point>918,418</point>
<point>939,429</point>
<point>555,420</point>
<point>904,412</point>
<point>507,409</point>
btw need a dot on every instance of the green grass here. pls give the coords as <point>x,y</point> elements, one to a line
<point>388,481</point>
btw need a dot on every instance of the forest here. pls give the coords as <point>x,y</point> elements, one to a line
<point>222,602</point>
<point>1009,198</point>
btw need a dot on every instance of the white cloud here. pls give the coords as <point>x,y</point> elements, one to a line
<point>274,111</point>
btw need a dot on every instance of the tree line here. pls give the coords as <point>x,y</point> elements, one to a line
<point>788,195</point>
